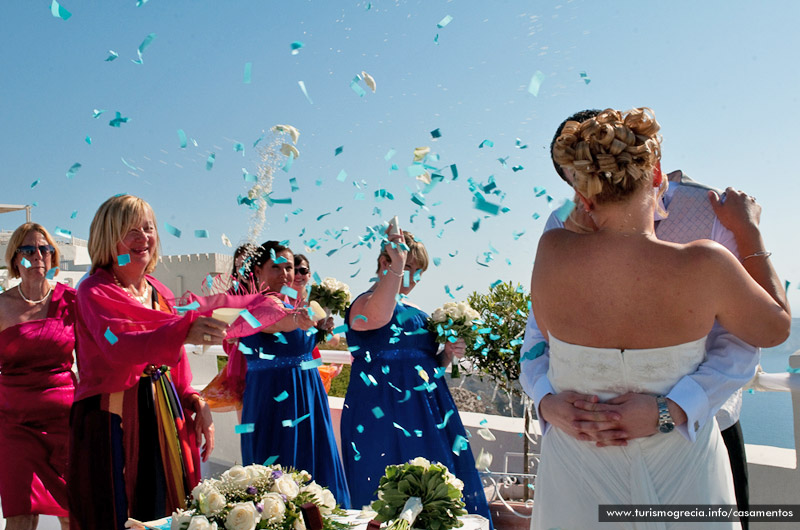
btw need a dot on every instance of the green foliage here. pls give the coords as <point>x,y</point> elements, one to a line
<point>504,309</point>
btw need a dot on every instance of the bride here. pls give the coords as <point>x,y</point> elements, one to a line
<point>625,312</point>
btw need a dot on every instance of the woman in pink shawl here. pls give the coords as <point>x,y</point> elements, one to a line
<point>136,424</point>
<point>36,381</point>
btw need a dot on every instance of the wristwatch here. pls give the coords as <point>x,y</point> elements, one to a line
<point>665,421</point>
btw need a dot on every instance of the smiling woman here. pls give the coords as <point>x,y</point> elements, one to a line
<point>36,381</point>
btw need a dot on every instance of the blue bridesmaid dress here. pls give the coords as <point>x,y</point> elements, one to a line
<point>392,415</point>
<point>279,390</point>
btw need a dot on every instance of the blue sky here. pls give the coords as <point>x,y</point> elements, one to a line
<point>719,75</point>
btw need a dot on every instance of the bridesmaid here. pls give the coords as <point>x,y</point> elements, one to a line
<point>283,397</point>
<point>396,407</point>
<point>36,382</point>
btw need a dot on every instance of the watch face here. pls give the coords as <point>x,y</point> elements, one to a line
<point>666,427</point>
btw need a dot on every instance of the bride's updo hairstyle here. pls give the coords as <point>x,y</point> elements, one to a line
<point>612,154</point>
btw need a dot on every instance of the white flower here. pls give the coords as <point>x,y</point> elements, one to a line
<point>453,481</point>
<point>238,476</point>
<point>422,462</point>
<point>452,310</point>
<point>286,485</point>
<point>299,524</point>
<point>327,502</point>
<point>314,489</point>
<point>181,519</point>
<point>257,471</point>
<point>274,507</point>
<point>208,497</point>
<point>243,516</point>
<point>201,523</point>
<point>439,315</point>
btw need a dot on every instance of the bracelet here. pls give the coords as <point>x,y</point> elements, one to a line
<point>398,274</point>
<point>765,253</point>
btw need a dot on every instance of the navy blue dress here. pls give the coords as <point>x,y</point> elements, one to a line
<point>279,391</point>
<point>392,415</point>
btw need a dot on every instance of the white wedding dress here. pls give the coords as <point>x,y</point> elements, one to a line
<point>575,477</point>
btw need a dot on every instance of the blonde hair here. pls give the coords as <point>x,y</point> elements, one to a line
<point>416,251</point>
<point>19,236</point>
<point>612,154</point>
<point>111,223</point>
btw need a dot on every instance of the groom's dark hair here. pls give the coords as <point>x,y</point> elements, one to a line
<point>580,117</point>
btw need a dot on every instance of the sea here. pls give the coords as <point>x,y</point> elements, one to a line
<point>767,417</point>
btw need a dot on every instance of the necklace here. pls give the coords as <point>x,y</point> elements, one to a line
<point>40,300</point>
<point>142,298</point>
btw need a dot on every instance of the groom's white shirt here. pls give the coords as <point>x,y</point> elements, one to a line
<point>729,364</point>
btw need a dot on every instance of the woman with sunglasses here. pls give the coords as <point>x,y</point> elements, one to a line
<point>302,275</point>
<point>36,381</point>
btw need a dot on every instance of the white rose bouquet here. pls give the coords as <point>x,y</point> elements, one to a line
<point>455,321</point>
<point>333,295</point>
<point>256,497</point>
<point>421,494</point>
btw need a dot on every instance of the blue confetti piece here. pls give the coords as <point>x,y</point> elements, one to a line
<point>439,372</point>
<point>88,140</point>
<point>25,263</point>
<point>460,444</point>
<point>189,307</point>
<point>389,154</point>
<point>517,168</point>
<point>293,423</point>
<point>248,73</point>
<point>793,370</point>
<point>340,329</point>
<point>406,398</point>
<point>58,11</point>
<point>415,170</point>
<point>110,337</point>
<point>341,176</point>
<point>51,273</point>
<point>377,412</point>
<point>201,233</point>
<point>310,365</point>
<point>445,21</point>
<point>445,420</point>
<point>338,150</point>
<point>436,133</point>
<point>398,426</point>
<point>288,291</point>
<point>585,78</point>
<point>239,147</point>
<point>385,369</point>
<point>63,232</point>
<point>271,460</point>
<point>35,183</point>
<point>564,210</point>
<point>172,230</point>
<point>210,161</point>
<point>360,428</point>
<point>73,170</point>
<point>128,165</point>
<point>112,55</point>
<point>536,83</point>
<point>360,317</point>
<point>249,318</point>
<point>244,428</point>
<point>289,161</point>
<point>486,143</point>
<point>305,92</point>
<point>96,113</point>
<point>267,356</point>
<point>280,338</point>
<point>295,47</point>
<point>495,284</point>
<point>357,456</point>
<point>118,120</point>
<point>123,259</point>
<point>356,87</point>
<point>536,351</point>
<point>282,396</point>
<point>368,379</point>
<point>182,138</point>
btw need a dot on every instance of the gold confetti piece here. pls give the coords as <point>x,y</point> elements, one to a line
<point>369,81</point>
<point>424,375</point>
<point>289,149</point>
<point>226,241</point>
<point>293,132</point>
<point>486,434</point>
<point>420,153</point>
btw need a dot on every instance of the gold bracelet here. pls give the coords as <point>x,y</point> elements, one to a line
<point>399,275</point>
<point>765,253</point>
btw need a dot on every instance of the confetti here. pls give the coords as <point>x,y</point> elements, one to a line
<point>357,456</point>
<point>73,170</point>
<point>289,161</point>
<point>585,78</point>
<point>288,291</point>
<point>356,87</point>
<point>25,263</point>
<point>341,176</point>
<point>303,88</point>
<point>460,444</point>
<point>293,423</point>
<point>310,365</point>
<point>564,210</point>
<point>210,161</point>
<point>88,140</point>
<point>389,154</point>
<point>201,233</point>
<point>536,83</point>
<point>245,428</point>
<point>377,412</point>
<point>271,460</point>
<point>143,46</point>
<point>369,81</point>
<point>249,318</point>
<point>536,351</point>
<point>110,337</point>
<point>74,214</point>
<point>111,56</point>
<point>226,241</point>
<point>295,47</point>
<point>35,183</point>
<point>436,133</point>
<point>248,73</point>
<point>96,113</point>
<point>338,150</point>
<point>445,420</point>
<point>51,273</point>
<point>123,259</point>
<point>445,21</point>
<point>172,230</point>
<point>119,120</point>
<point>487,143</point>
<point>398,426</point>
<point>63,232</point>
<point>130,166</point>
<point>58,11</point>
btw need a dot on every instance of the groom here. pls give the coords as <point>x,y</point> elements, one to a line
<point>716,384</point>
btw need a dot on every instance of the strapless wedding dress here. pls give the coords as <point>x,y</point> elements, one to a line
<point>575,477</point>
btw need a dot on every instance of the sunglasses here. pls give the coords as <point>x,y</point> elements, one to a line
<point>302,270</point>
<point>30,250</point>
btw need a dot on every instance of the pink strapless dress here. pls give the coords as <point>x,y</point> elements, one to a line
<point>36,388</point>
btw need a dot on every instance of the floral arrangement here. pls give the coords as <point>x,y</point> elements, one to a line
<point>453,321</point>
<point>332,295</point>
<point>404,487</point>
<point>256,497</point>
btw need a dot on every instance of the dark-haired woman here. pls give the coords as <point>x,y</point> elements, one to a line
<point>284,399</point>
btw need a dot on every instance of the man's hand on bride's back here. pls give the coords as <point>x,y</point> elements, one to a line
<point>581,416</point>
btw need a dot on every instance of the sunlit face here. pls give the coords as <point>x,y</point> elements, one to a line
<point>274,276</point>
<point>139,242</point>
<point>302,273</point>
<point>38,263</point>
